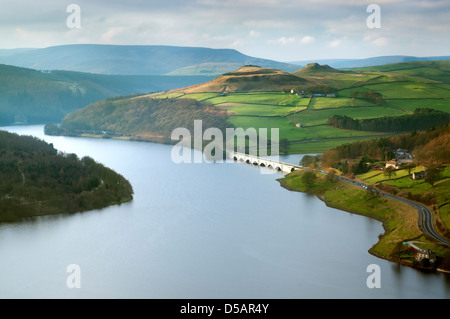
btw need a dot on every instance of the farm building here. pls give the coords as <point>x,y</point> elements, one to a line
<point>419,175</point>
<point>392,163</point>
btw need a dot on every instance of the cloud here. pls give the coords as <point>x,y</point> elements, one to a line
<point>380,42</point>
<point>376,40</point>
<point>293,40</point>
<point>237,43</point>
<point>283,40</point>
<point>254,34</point>
<point>335,43</point>
<point>307,39</point>
<point>109,35</point>
<point>310,26</point>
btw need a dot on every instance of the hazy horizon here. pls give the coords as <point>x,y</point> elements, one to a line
<point>277,30</point>
<point>284,61</point>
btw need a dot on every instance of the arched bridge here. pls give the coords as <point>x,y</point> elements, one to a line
<point>263,162</point>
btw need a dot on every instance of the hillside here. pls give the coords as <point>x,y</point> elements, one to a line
<point>248,79</point>
<point>373,61</point>
<point>438,71</point>
<point>31,96</point>
<point>136,59</point>
<point>139,118</point>
<point>37,180</point>
<point>262,98</point>
<point>314,68</point>
<point>425,179</point>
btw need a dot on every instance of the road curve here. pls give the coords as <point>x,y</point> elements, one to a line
<point>426,224</point>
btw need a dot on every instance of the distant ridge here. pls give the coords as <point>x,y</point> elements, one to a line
<point>380,60</point>
<point>29,96</point>
<point>136,59</point>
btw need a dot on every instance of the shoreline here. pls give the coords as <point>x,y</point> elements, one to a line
<point>387,231</point>
<point>372,251</point>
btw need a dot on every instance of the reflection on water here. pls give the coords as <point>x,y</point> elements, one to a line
<point>199,231</point>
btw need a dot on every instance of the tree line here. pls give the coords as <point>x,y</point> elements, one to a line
<point>421,119</point>
<point>154,116</point>
<point>369,96</point>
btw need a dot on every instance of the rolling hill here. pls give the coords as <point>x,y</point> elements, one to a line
<point>139,118</point>
<point>298,105</point>
<point>136,59</point>
<point>35,97</point>
<point>248,79</point>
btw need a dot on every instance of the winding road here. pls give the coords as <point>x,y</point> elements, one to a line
<point>426,224</point>
<point>425,214</point>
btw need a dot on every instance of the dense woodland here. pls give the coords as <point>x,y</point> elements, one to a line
<point>420,120</point>
<point>141,116</point>
<point>429,147</point>
<point>37,180</point>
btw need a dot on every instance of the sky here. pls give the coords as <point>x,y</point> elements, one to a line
<point>281,30</point>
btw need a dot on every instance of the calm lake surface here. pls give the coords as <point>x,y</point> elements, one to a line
<point>199,231</point>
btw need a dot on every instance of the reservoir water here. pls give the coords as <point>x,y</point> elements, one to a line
<point>199,231</point>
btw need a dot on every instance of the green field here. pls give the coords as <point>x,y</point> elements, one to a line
<point>318,103</point>
<point>286,128</point>
<point>199,96</point>
<point>259,109</point>
<point>412,104</point>
<point>316,117</point>
<point>318,146</point>
<point>373,177</point>
<point>269,98</point>
<point>404,88</point>
<point>397,90</point>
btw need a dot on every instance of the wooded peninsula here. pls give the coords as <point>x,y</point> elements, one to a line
<point>36,179</point>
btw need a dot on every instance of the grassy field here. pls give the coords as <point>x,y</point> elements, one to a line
<point>286,128</point>
<point>318,146</point>
<point>318,103</point>
<point>259,109</point>
<point>378,176</point>
<point>404,87</point>
<point>317,117</point>
<point>270,98</point>
<point>200,96</point>
<point>409,105</point>
<point>396,90</point>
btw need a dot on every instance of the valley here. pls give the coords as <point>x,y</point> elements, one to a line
<point>300,104</point>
